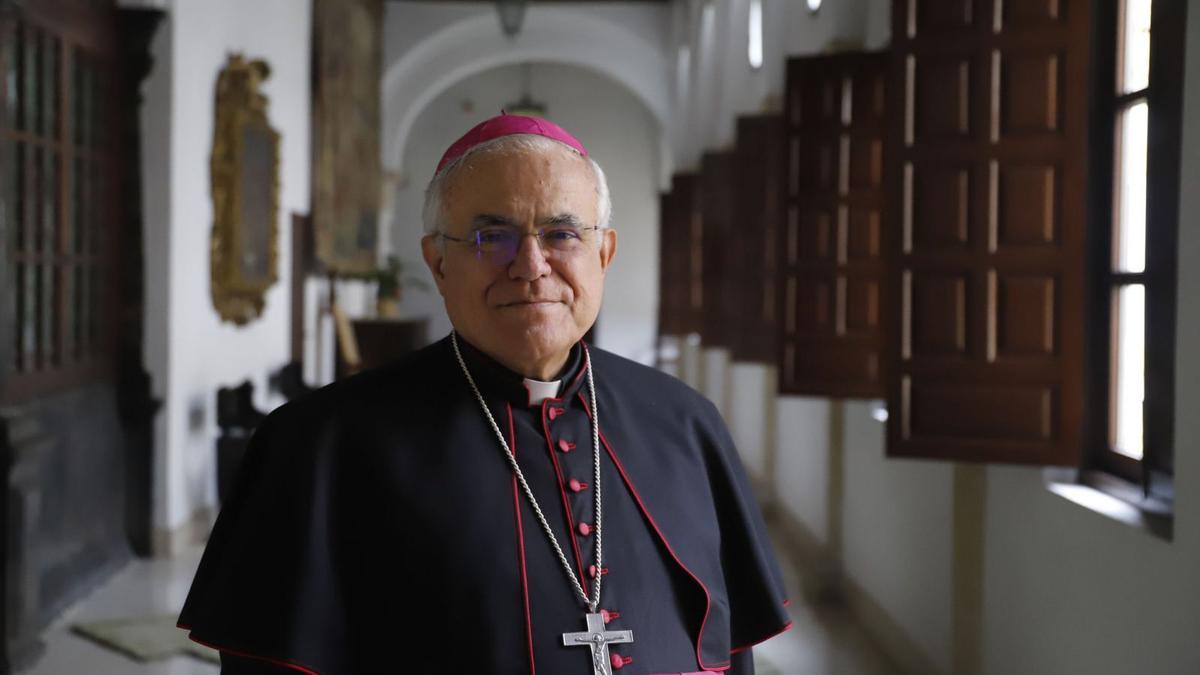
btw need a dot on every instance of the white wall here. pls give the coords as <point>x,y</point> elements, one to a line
<point>896,528</point>
<point>715,83</point>
<point>189,351</point>
<point>619,132</point>
<point>802,461</point>
<point>751,381</point>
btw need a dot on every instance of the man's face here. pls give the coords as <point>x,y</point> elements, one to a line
<point>526,314</point>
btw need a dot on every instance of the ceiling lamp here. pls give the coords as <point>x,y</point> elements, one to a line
<point>512,15</point>
<point>526,105</point>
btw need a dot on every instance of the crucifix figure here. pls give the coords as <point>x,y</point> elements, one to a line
<point>597,639</point>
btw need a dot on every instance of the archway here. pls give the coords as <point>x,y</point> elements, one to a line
<point>551,34</point>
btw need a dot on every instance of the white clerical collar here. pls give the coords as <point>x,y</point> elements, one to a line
<point>540,391</point>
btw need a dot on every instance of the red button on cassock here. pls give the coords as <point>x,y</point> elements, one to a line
<point>565,445</point>
<point>576,485</point>
<point>609,615</point>
<point>592,571</point>
<point>585,529</point>
<point>619,662</point>
<point>555,412</point>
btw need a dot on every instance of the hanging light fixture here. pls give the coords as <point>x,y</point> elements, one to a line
<point>512,15</point>
<point>526,105</point>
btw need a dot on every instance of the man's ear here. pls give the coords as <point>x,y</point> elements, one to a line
<point>435,258</point>
<point>608,248</point>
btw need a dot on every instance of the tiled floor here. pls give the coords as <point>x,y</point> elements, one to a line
<point>143,588</point>
<point>821,641</point>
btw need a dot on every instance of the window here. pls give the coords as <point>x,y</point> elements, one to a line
<point>1034,178</point>
<point>56,181</point>
<point>754,46</point>
<point>683,72</point>
<point>1138,114</point>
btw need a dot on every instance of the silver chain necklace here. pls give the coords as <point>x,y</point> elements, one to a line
<point>594,602</point>
<point>596,638</point>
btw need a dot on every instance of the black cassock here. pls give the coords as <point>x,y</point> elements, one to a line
<point>376,526</point>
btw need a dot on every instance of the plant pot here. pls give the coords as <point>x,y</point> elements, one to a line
<point>387,308</point>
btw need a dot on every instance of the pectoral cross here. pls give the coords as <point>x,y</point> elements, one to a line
<point>597,639</point>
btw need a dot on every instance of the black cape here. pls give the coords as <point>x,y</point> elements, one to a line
<point>376,526</point>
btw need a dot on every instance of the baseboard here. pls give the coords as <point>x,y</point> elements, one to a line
<point>824,581</point>
<point>170,542</point>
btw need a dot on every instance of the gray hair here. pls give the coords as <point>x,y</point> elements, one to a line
<point>432,212</point>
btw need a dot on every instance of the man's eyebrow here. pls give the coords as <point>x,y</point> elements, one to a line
<point>484,220</point>
<point>492,220</point>
<point>564,220</point>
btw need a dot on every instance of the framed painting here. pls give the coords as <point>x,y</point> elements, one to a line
<point>346,183</point>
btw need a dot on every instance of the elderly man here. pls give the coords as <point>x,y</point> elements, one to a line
<point>508,500</point>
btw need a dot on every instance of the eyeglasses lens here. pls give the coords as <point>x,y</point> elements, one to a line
<point>499,247</point>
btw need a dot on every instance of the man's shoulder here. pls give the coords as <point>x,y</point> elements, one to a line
<point>411,379</point>
<point>630,378</point>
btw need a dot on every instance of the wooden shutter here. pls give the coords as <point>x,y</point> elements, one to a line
<point>830,253</point>
<point>679,254</point>
<point>671,279</point>
<point>666,322</point>
<point>719,296</point>
<point>988,182</point>
<point>760,153</point>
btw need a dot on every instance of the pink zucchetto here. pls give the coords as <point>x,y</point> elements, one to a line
<point>507,125</point>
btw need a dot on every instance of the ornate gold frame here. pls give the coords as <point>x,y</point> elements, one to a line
<point>241,269</point>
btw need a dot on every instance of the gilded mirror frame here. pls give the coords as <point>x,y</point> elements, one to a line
<point>244,171</point>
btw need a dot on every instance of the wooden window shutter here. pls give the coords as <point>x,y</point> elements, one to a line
<point>760,154</point>
<point>719,245</point>
<point>830,256</point>
<point>669,307</point>
<point>680,250</point>
<point>987,183</point>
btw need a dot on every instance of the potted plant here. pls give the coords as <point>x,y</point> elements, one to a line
<point>390,281</point>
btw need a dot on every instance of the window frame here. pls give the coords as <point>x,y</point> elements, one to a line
<point>1152,474</point>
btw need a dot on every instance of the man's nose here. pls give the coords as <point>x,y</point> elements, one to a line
<point>530,262</point>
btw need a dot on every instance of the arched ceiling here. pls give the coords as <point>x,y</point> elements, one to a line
<point>551,34</point>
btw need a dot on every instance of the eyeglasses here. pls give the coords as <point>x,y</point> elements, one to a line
<point>499,245</point>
